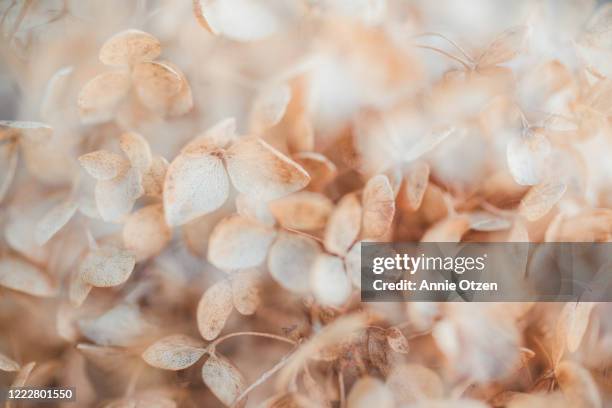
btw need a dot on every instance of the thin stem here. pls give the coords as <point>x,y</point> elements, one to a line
<point>22,14</point>
<point>264,377</point>
<point>341,389</point>
<point>449,55</point>
<point>451,42</point>
<point>215,343</point>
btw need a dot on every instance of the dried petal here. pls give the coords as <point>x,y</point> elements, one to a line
<point>175,352</point>
<point>370,392</point>
<point>245,291</point>
<point>259,170</point>
<point>107,266</point>
<point>269,107</point>
<point>577,385</point>
<point>194,186</point>
<point>238,242</point>
<point>527,158</point>
<point>291,258</point>
<point>540,199</point>
<point>378,207</point>
<point>99,98</point>
<point>320,169</point>
<point>156,84</point>
<point>103,165</point>
<point>250,207</point>
<point>329,282</point>
<point>415,182</point>
<point>305,211</point>
<point>7,364</point>
<point>505,47</point>
<point>410,383</point>
<point>344,225</point>
<point>223,379</point>
<point>54,220</point>
<point>123,325</point>
<point>137,149</point>
<point>397,341</point>
<point>573,322</point>
<point>17,274</point>
<point>115,198</point>
<point>8,165</point>
<point>153,179</point>
<point>214,308</point>
<point>145,232</point>
<point>352,263</point>
<point>129,47</point>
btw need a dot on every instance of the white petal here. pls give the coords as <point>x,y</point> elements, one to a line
<point>541,199</point>
<point>269,107</point>
<point>157,83</point>
<point>115,198</point>
<point>145,232</point>
<point>329,282</point>
<point>137,149</point>
<point>107,266</point>
<point>290,260</point>
<point>238,243</point>
<point>103,165</point>
<point>214,308</point>
<point>223,379</point>
<point>99,98</point>
<point>175,352</point>
<point>123,325</point>
<point>245,290</point>
<point>129,47</point>
<point>255,209</point>
<point>194,186</point>
<point>304,210</point>
<point>370,392</point>
<point>415,184</point>
<point>153,179</point>
<point>259,170</point>
<point>527,157</point>
<point>505,47</point>
<point>8,364</point>
<point>344,225</point>
<point>19,275</point>
<point>378,207</point>
<point>54,220</point>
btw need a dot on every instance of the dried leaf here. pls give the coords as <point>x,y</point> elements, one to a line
<point>343,225</point>
<point>175,352</point>
<point>290,260</point>
<point>304,210</point>
<point>259,170</point>
<point>194,186</point>
<point>329,282</point>
<point>103,165</point>
<point>223,379</point>
<point>19,275</point>
<point>541,199</point>
<point>99,98</point>
<point>378,207</point>
<point>238,243</point>
<point>527,157</point>
<point>54,220</point>
<point>129,47</point>
<point>107,266</point>
<point>214,308</point>
<point>368,392</point>
<point>145,232</point>
<point>8,364</point>
<point>245,291</point>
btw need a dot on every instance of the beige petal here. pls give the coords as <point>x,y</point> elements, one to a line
<point>182,102</point>
<point>245,290</point>
<point>214,308</point>
<point>320,169</point>
<point>269,107</point>
<point>344,225</point>
<point>99,98</point>
<point>352,264</point>
<point>123,326</point>
<point>370,392</point>
<point>577,385</point>
<point>304,210</point>
<point>54,220</point>
<point>541,199</point>
<point>107,266</point>
<point>450,229</point>
<point>218,136</point>
<point>573,322</point>
<point>8,364</point>
<point>19,275</point>
<point>194,186</point>
<point>397,341</point>
<point>259,170</point>
<point>223,379</point>
<point>137,149</point>
<point>527,158</point>
<point>145,232</point>
<point>378,207</point>
<point>238,243</point>
<point>175,352</point>
<point>484,221</point>
<point>415,184</point>
<point>23,375</point>
<point>328,280</point>
<point>129,47</point>
<point>53,100</point>
<point>103,165</point>
<point>410,383</point>
<point>156,84</point>
<point>8,165</point>
<point>250,207</point>
<point>115,198</point>
<point>427,143</point>
<point>153,179</point>
<point>505,47</point>
<point>290,260</point>
<point>196,233</point>
<point>239,20</point>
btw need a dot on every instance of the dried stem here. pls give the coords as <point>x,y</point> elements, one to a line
<point>447,54</point>
<point>451,42</point>
<point>211,347</point>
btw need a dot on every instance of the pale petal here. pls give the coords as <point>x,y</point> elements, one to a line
<point>250,207</point>
<point>129,47</point>
<point>415,184</point>
<point>578,385</point>
<point>8,364</point>
<point>245,290</point>
<point>145,232</point>
<point>378,207</point>
<point>370,392</point>
<point>175,352</point>
<point>259,170</point>
<point>344,225</point>
<point>99,98</point>
<point>194,186</point>
<point>8,165</point>
<point>218,136</point>
<point>19,275</point>
<point>329,282</point>
<point>320,169</point>
<point>304,210</point>
<point>54,220</point>
<point>412,382</point>
<point>238,242</point>
<point>352,263</point>
<point>527,158</point>
<point>103,165</point>
<point>290,260</point>
<point>123,326</point>
<point>541,199</point>
<point>269,107</point>
<point>223,379</point>
<point>484,221</point>
<point>153,179</point>
<point>33,131</point>
<point>115,198</point>
<point>505,47</point>
<point>55,93</point>
<point>107,266</point>
<point>157,83</point>
<point>137,149</point>
<point>196,233</point>
<point>214,308</point>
